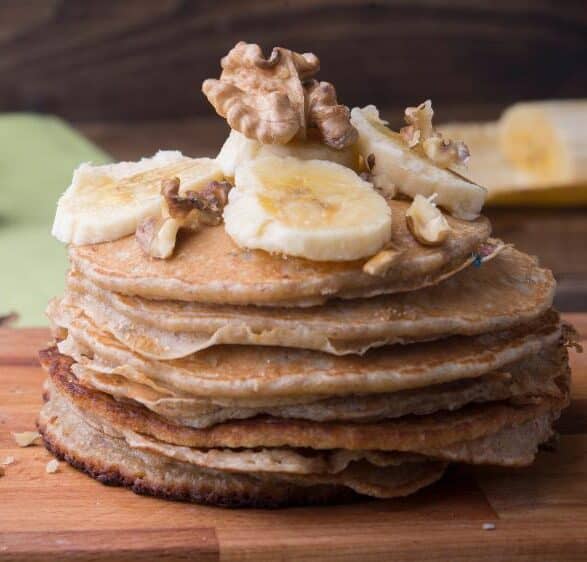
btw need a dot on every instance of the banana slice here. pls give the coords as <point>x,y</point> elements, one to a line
<point>238,150</point>
<point>314,209</point>
<point>546,140</point>
<point>399,167</point>
<point>106,203</point>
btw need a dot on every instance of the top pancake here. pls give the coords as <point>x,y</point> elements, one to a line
<point>208,267</point>
<point>506,291</point>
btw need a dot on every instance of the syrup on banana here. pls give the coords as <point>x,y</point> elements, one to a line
<point>105,203</point>
<point>313,209</point>
<point>398,167</point>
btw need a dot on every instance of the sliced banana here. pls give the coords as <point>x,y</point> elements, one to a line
<point>487,166</point>
<point>546,140</point>
<point>398,167</point>
<point>314,209</point>
<point>106,203</point>
<point>238,150</point>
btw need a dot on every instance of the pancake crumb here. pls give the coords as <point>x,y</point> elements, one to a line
<point>489,526</point>
<point>26,438</point>
<point>7,461</point>
<point>52,466</point>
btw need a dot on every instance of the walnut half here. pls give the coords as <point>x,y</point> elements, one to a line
<point>157,235</point>
<point>276,100</point>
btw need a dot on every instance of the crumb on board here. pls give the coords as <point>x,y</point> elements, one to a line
<point>26,438</point>
<point>7,461</point>
<point>52,466</point>
<point>488,526</point>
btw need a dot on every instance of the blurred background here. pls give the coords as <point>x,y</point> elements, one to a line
<point>118,79</point>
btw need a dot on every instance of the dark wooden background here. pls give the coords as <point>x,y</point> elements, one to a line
<point>127,73</point>
<point>145,59</point>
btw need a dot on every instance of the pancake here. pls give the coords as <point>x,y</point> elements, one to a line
<point>523,381</point>
<point>253,374</point>
<point>510,289</point>
<point>208,267</point>
<point>111,460</point>
<point>442,435</point>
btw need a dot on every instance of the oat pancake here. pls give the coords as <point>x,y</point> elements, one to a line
<point>533,376</point>
<point>111,460</point>
<point>508,290</point>
<point>457,435</point>
<point>208,267</point>
<point>252,374</point>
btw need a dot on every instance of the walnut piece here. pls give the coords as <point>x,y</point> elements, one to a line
<point>445,153</point>
<point>420,133</point>
<point>157,235</point>
<point>426,222</point>
<point>420,118</point>
<point>209,202</point>
<point>275,100</point>
<point>330,118</point>
<point>382,262</point>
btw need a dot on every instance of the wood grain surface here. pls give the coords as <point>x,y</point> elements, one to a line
<point>146,59</point>
<point>540,512</point>
<point>129,74</point>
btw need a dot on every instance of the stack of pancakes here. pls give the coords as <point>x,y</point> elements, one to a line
<point>235,377</point>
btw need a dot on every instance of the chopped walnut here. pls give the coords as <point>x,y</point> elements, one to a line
<point>420,131</point>
<point>261,98</point>
<point>157,235</point>
<point>445,153</point>
<point>420,118</point>
<point>275,100</point>
<point>571,338</point>
<point>382,262</point>
<point>426,222</point>
<point>210,202</point>
<point>330,118</point>
<point>26,438</point>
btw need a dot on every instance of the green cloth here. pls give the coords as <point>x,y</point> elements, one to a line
<point>37,157</point>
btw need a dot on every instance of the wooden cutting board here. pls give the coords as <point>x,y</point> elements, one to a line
<point>540,513</point>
